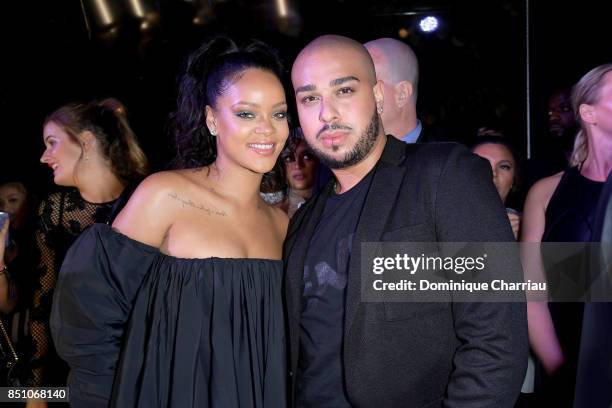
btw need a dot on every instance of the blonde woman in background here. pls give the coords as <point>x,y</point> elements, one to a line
<point>561,208</point>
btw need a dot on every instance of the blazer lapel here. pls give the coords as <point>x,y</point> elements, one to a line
<point>296,247</point>
<point>380,200</point>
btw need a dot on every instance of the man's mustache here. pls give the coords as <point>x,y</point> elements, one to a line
<point>334,126</point>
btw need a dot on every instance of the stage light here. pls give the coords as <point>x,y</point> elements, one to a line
<point>100,15</point>
<point>144,11</point>
<point>205,11</point>
<point>283,15</point>
<point>428,24</point>
<point>281,8</point>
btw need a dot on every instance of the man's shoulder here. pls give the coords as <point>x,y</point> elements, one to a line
<point>432,155</point>
<point>435,148</point>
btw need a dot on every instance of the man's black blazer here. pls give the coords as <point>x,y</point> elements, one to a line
<point>420,354</point>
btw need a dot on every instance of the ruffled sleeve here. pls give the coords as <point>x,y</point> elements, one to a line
<point>93,298</point>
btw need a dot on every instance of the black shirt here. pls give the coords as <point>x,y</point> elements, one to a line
<point>320,377</point>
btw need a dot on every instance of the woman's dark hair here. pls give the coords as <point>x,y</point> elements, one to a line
<point>28,211</point>
<point>295,137</point>
<point>502,140</point>
<point>107,120</point>
<point>210,71</point>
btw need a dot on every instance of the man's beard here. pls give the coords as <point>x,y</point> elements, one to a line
<point>362,148</point>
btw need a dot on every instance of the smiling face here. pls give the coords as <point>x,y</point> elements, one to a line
<point>62,154</point>
<point>503,166</point>
<point>336,95</point>
<point>250,121</point>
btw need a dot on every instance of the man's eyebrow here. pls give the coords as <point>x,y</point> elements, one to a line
<point>333,82</point>
<point>340,81</point>
<point>305,88</point>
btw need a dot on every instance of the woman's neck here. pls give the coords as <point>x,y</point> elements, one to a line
<point>598,163</point>
<point>304,193</point>
<point>235,182</point>
<point>100,185</point>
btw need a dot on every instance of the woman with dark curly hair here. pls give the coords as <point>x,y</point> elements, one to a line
<point>18,261</point>
<point>300,168</point>
<point>179,304</point>
<point>505,167</point>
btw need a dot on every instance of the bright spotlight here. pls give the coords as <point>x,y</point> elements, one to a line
<point>428,24</point>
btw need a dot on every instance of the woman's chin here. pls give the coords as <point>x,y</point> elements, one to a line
<point>263,168</point>
<point>299,187</point>
<point>61,181</point>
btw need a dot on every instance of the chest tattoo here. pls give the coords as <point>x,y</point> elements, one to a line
<point>187,202</point>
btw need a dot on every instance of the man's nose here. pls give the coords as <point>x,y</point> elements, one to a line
<point>328,112</point>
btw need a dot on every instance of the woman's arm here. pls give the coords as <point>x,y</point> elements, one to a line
<point>542,335</point>
<point>7,287</point>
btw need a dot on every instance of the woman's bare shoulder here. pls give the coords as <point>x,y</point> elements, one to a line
<point>543,189</point>
<point>164,183</point>
<point>150,208</point>
<point>165,179</point>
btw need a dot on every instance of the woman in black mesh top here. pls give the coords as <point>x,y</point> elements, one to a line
<point>91,148</point>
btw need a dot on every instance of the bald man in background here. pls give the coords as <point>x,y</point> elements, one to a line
<point>343,351</point>
<point>397,66</point>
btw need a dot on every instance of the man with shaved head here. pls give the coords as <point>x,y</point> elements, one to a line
<point>346,352</point>
<point>398,68</point>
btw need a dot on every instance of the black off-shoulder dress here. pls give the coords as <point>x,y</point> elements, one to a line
<point>143,329</point>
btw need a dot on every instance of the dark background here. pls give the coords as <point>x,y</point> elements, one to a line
<point>473,70</point>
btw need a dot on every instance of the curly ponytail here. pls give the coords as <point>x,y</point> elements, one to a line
<point>208,73</point>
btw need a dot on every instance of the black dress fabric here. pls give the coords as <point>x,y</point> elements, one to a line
<point>144,329</point>
<point>570,217</point>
